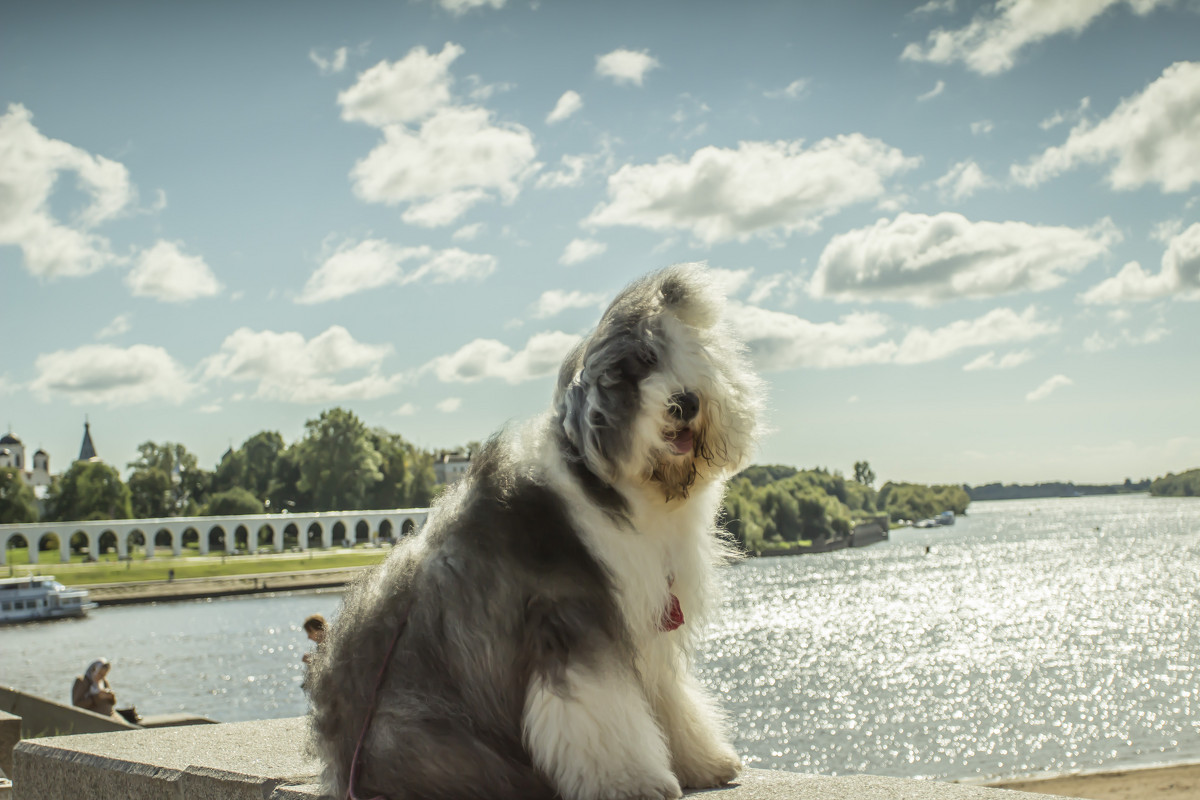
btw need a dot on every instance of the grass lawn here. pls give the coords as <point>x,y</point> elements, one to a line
<point>109,570</point>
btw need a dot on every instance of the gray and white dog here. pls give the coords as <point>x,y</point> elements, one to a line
<point>540,650</point>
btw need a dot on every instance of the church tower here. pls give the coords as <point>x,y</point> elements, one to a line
<point>87,451</point>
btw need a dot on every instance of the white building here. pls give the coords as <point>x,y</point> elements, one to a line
<point>35,474</point>
<point>450,467</point>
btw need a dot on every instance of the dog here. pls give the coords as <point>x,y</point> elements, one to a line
<point>534,639</point>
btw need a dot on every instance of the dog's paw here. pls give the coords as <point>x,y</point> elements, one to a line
<point>704,771</point>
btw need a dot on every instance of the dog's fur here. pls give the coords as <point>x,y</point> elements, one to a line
<point>532,663</point>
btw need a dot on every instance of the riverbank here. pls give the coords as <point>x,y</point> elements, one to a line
<point>115,594</point>
<point>1180,782</point>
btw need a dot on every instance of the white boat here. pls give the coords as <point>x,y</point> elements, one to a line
<point>40,597</point>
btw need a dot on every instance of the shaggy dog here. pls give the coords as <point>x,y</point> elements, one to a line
<point>533,640</point>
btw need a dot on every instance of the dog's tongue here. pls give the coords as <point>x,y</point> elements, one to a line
<point>682,443</point>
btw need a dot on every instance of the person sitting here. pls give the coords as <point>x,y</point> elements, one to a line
<point>92,690</point>
<point>316,628</point>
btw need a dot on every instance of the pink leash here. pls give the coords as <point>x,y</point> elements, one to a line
<point>354,765</point>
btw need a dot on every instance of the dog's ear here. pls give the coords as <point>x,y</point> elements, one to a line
<point>689,292</point>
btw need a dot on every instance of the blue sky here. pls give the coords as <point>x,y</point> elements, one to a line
<point>962,240</point>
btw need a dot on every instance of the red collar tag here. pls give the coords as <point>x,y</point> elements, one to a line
<point>672,616</point>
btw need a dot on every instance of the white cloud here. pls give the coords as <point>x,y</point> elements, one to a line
<point>989,44</point>
<point>289,368</point>
<point>571,173</point>
<point>996,327</point>
<point>1179,276</point>
<point>488,358</point>
<point>449,405</point>
<point>982,127</point>
<point>470,232</point>
<point>373,263</point>
<point>579,250</point>
<point>406,410</point>
<point>1048,386</point>
<point>1151,136</point>
<point>1059,117</point>
<point>457,158</point>
<point>925,259</point>
<point>937,89</point>
<point>555,301</point>
<point>120,324</point>
<point>331,65</point>
<point>625,66</point>
<point>568,104</point>
<point>407,90</point>
<point>1099,342</point>
<point>758,189</point>
<point>793,90</point>
<point>166,273</point>
<point>30,164</point>
<point>962,180</point>
<point>460,7</point>
<point>934,6</point>
<point>780,341</point>
<point>1007,361</point>
<point>114,376</point>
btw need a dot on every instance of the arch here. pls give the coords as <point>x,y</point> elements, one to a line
<point>241,539</point>
<point>266,536</point>
<point>339,533</point>
<point>188,536</point>
<point>107,540</point>
<point>80,542</point>
<point>314,529</point>
<point>49,541</point>
<point>362,531</point>
<point>291,535</point>
<point>215,540</point>
<point>163,537</point>
<point>386,530</point>
<point>409,527</point>
<point>10,543</point>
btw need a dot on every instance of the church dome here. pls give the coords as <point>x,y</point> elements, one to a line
<point>8,438</point>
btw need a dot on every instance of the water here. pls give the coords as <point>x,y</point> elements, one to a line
<point>1036,636</point>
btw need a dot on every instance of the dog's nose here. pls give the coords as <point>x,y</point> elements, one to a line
<point>684,406</point>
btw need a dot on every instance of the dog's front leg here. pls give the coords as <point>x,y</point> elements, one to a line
<point>590,730</point>
<point>701,756</point>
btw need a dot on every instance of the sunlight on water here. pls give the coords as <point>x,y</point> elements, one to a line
<point>1036,636</point>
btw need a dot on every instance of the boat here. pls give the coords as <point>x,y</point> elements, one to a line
<point>40,597</point>
<point>944,518</point>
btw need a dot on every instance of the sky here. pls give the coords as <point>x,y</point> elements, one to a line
<point>960,240</point>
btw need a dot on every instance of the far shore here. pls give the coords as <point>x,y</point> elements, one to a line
<point>1178,782</point>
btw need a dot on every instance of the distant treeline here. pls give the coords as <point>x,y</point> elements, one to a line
<point>339,464</point>
<point>1185,484</point>
<point>1014,491</point>
<point>775,505</point>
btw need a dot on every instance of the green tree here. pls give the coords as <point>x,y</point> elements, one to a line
<point>88,490</point>
<point>284,492</point>
<point>863,473</point>
<point>391,491</point>
<point>151,493</point>
<point>189,483</point>
<point>338,463</point>
<point>261,452</point>
<point>17,503</point>
<point>232,502</point>
<point>422,479</point>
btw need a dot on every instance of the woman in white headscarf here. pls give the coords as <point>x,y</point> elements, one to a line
<point>92,690</point>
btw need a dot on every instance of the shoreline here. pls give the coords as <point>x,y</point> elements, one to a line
<point>118,594</point>
<point>1163,782</point>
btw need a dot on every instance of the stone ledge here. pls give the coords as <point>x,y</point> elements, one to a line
<point>264,760</point>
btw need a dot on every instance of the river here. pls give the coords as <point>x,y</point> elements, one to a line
<point>1034,636</point>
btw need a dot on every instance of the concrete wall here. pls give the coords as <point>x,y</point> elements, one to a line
<point>264,760</point>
